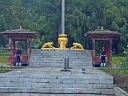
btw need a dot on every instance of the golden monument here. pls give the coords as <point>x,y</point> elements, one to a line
<point>62,39</point>
<point>48,45</point>
<point>77,46</point>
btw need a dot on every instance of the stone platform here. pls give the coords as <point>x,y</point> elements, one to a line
<point>54,82</point>
<point>56,57</point>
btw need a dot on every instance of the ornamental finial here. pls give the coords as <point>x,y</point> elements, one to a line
<point>102,28</point>
<point>20,27</point>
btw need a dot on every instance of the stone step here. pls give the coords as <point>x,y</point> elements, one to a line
<point>56,90</point>
<point>56,83</point>
<point>53,80</point>
<point>40,94</point>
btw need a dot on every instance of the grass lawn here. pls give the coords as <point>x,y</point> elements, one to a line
<point>4,69</point>
<point>3,60</point>
<point>116,60</point>
<point>120,75</point>
<point>7,69</point>
<point>3,57</point>
<point>121,72</point>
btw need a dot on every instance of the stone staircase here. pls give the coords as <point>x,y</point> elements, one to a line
<point>49,80</point>
<point>56,57</point>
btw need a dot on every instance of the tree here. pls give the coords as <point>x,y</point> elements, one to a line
<point>44,17</point>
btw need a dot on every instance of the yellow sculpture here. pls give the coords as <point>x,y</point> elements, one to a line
<point>62,40</point>
<point>77,46</point>
<point>47,45</point>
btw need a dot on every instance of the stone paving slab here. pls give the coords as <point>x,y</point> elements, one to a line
<point>56,90</point>
<point>38,94</point>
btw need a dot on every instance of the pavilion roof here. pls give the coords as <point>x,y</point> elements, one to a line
<point>103,34</point>
<point>19,33</point>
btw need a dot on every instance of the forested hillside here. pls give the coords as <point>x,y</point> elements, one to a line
<point>44,17</point>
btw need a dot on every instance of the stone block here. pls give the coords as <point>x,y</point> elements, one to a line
<point>70,81</point>
<point>107,91</point>
<point>55,81</point>
<point>15,89</point>
<point>88,90</point>
<point>51,76</point>
<point>40,90</point>
<point>25,76</point>
<point>69,90</point>
<point>50,85</point>
<point>90,81</point>
<point>16,80</point>
<point>38,85</point>
<point>18,84</point>
<point>4,90</point>
<point>37,80</point>
<point>8,84</point>
<point>110,86</point>
<point>13,75</point>
<point>3,75</point>
<point>106,81</point>
<point>65,77</point>
<point>79,85</point>
<point>78,77</point>
<point>2,82</point>
<point>65,85</point>
<point>39,75</point>
<point>56,90</point>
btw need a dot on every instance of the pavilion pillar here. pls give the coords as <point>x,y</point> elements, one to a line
<point>93,51</point>
<point>110,44</point>
<point>13,50</point>
<point>28,51</point>
<point>10,54</point>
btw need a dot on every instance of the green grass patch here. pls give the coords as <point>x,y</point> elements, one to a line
<point>3,57</point>
<point>4,69</point>
<point>118,71</point>
<point>7,69</point>
<point>117,60</point>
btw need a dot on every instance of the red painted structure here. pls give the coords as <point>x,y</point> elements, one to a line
<point>104,36</point>
<point>19,35</point>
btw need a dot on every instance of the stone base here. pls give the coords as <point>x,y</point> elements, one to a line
<point>56,57</point>
<point>48,80</point>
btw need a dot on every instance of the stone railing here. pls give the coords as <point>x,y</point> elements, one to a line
<point>120,92</point>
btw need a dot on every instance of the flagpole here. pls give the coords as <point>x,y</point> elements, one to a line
<point>63,18</point>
